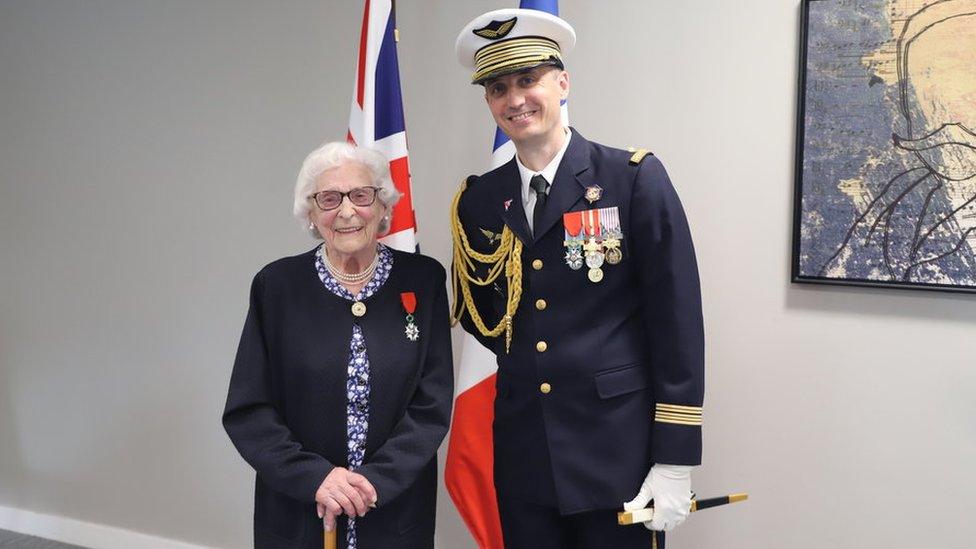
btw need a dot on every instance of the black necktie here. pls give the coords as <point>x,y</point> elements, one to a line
<point>539,185</point>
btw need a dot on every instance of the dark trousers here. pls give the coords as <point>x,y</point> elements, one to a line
<point>527,525</point>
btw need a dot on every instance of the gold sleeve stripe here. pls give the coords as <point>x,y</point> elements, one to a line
<point>686,417</point>
<point>679,408</point>
<point>678,414</point>
<point>678,421</point>
<point>692,417</point>
<point>673,413</point>
<point>682,417</point>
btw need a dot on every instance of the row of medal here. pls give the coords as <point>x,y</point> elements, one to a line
<point>593,237</point>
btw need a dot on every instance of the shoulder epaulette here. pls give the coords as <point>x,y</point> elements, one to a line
<point>638,155</point>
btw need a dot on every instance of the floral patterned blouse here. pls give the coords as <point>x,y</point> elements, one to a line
<point>357,370</point>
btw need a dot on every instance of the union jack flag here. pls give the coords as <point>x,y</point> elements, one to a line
<point>376,116</point>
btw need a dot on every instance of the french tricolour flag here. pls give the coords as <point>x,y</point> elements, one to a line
<point>376,116</point>
<point>468,473</point>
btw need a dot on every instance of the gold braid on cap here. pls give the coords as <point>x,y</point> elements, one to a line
<point>512,55</point>
<point>507,258</point>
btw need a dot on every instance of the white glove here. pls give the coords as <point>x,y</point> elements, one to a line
<point>670,488</point>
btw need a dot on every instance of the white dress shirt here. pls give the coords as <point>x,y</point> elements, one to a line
<point>549,172</point>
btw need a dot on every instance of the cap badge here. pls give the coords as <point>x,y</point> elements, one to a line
<point>593,193</point>
<point>496,29</point>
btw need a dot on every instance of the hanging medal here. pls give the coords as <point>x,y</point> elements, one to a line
<point>593,248</point>
<point>573,225</point>
<point>612,235</point>
<point>409,301</point>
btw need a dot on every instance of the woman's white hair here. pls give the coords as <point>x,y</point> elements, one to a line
<point>332,155</point>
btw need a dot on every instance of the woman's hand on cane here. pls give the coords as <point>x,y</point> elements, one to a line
<point>343,492</point>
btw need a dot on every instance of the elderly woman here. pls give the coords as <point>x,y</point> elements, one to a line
<point>341,390</point>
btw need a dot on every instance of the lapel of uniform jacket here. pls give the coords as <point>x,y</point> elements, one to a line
<point>514,215</point>
<point>569,185</point>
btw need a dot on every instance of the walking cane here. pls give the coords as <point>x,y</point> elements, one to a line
<point>331,539</point>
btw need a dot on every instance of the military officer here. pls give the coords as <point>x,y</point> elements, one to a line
<point>574,264</point>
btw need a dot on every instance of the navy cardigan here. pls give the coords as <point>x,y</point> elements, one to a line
<point>286,406</point>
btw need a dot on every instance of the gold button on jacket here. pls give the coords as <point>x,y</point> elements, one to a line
<point>537,264</point>
<point>545,388</point>
<point>541,346</point>
<point>540,304</point>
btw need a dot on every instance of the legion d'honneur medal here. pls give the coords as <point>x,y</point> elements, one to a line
<point>573,224</point>
<point>409,301</point>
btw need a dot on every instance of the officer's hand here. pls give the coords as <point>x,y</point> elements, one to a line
<point>670,488</point>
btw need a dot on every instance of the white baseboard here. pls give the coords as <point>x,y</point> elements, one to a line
<point>86,534</point>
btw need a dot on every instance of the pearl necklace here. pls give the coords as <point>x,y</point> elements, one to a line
<point>354,278</point>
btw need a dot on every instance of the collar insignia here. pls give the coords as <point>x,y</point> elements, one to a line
<point>493,238</point>
<point>593,193</point>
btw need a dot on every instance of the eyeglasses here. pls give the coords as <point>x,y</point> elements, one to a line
<point>330,200</point>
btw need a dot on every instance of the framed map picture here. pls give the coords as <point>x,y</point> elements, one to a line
<point>886,144</point>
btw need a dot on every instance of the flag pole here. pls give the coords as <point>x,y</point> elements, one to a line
<point>396,27</point>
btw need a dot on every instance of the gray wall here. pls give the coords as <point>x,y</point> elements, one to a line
<point>147,153</point>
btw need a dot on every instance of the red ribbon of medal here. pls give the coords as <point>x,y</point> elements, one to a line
<point>591,222</point>
<point>409,300</point>
<point>573,221</point>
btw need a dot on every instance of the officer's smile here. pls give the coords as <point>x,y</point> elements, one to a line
<point>521,116</point>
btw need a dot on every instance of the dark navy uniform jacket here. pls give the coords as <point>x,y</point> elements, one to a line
<point>286,406</point>
<point>610,352</point>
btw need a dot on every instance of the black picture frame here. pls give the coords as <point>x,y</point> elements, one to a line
<point>845,63</point>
